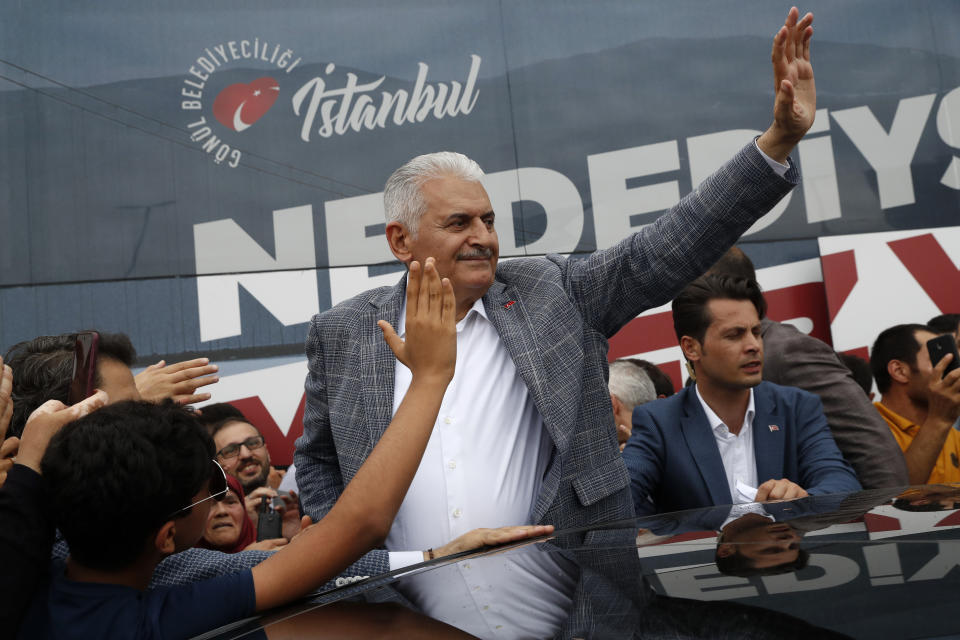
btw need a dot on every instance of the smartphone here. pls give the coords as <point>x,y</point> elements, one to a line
<point>941,346</point>
<point>84,378</point>
<point>269,521</point>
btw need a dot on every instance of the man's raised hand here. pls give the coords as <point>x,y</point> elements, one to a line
<point>795,103</point>
<point>430,348</point>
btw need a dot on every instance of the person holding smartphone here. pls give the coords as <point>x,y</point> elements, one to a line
<point>920,402</point>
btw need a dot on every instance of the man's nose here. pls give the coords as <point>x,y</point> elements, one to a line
<point>479,231</point>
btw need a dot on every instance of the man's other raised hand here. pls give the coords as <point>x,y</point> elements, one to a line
<point>795,103</point>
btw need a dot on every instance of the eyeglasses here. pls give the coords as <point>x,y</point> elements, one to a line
<point>233,450</point>
<point>218,489</point>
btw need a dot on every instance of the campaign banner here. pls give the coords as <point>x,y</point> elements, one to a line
<point>206,177</point>
<point>874,281</point>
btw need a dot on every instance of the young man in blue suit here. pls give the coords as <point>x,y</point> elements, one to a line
<point>731,437</point>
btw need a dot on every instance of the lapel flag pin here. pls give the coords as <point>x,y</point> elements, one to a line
<point>509,304</point>
<point>773,427</point>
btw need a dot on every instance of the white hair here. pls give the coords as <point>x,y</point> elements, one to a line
<point>630,384</point>
<point>402,200</point>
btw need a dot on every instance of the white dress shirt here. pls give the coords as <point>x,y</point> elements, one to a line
<point>736,451</point>
<point>482,467</point>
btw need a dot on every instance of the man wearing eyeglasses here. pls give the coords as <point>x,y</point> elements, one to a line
<point>243,454</point>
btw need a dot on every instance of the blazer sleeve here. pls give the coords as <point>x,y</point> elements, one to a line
<point>318,470</point>
<point>649,268</point>
<point>643,457</point>
<point>820,464</point>
<point>795,359</point>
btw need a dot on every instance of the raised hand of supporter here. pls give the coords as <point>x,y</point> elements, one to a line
<point>291,515</point>
<point>8,446</point>
<point>781,489</point>
<point>6,398</point>
<point>8,453</point>
<point>46,420</point>
<point>795,102</point>
<point>253,499</point>
<point>275,477</point>
<point>488,537</point>
<point>430,348</point>
<point>943,394</point>
<point>178,381</point>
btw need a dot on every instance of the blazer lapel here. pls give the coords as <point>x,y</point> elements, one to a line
<point>377,361</point>
<point>703,449</point>
<point>511,321</point>
<point>769,436</point>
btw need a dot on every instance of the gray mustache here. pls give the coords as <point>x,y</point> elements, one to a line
<point>479,253</point>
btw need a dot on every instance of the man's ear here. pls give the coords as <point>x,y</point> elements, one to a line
<point>617,405</point>
<point>691,348</point>
<point>899,371</point>
<point>398,237</point>
<point>725,550</point>
<point>164,540</point>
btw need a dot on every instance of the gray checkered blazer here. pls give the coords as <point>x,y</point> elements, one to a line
<point>556,332</point>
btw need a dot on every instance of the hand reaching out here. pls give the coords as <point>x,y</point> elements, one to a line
<point>487,537</point>
<point>6,398</point>
<point>430,348</point>
<point>46,420</point>
<point>178,381</point>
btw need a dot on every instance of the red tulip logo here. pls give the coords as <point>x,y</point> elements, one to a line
<point>240,105</point>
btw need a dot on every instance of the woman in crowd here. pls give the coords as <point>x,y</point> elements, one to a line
<point>229,528</point>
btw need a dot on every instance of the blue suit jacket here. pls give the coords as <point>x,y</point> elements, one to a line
<point>673,458</point>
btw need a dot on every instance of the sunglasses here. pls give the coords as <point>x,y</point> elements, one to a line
<point>218,490</point>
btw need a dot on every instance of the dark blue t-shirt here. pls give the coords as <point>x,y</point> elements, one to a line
<point>70,609</point>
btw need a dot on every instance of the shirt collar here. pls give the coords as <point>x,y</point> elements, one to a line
<point>896,420</point>
<point>714,419</point>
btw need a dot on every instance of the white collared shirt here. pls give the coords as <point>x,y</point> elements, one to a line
<point>482,467</point>
<point>736,451</point>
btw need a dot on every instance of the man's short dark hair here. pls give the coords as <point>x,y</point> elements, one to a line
<point>896,343</point>
<point>118,474</point>
<point>737,564</point>
<point>860,369</point>
<point>662,383</point>
<point>215,416</point>
<point>946,323</point>
<point>690,314</point>
<point>43,368</point>
<point>734,263</point>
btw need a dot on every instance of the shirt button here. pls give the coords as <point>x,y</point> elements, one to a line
<point>452,464</point>
<point>448,420</point>
<point>486,607</point>
<point>457,513</point>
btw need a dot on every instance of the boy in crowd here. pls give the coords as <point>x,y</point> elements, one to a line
<point>140,491</point>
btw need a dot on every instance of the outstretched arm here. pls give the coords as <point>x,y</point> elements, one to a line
<point>795,103</point>
<point>362,516</point>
